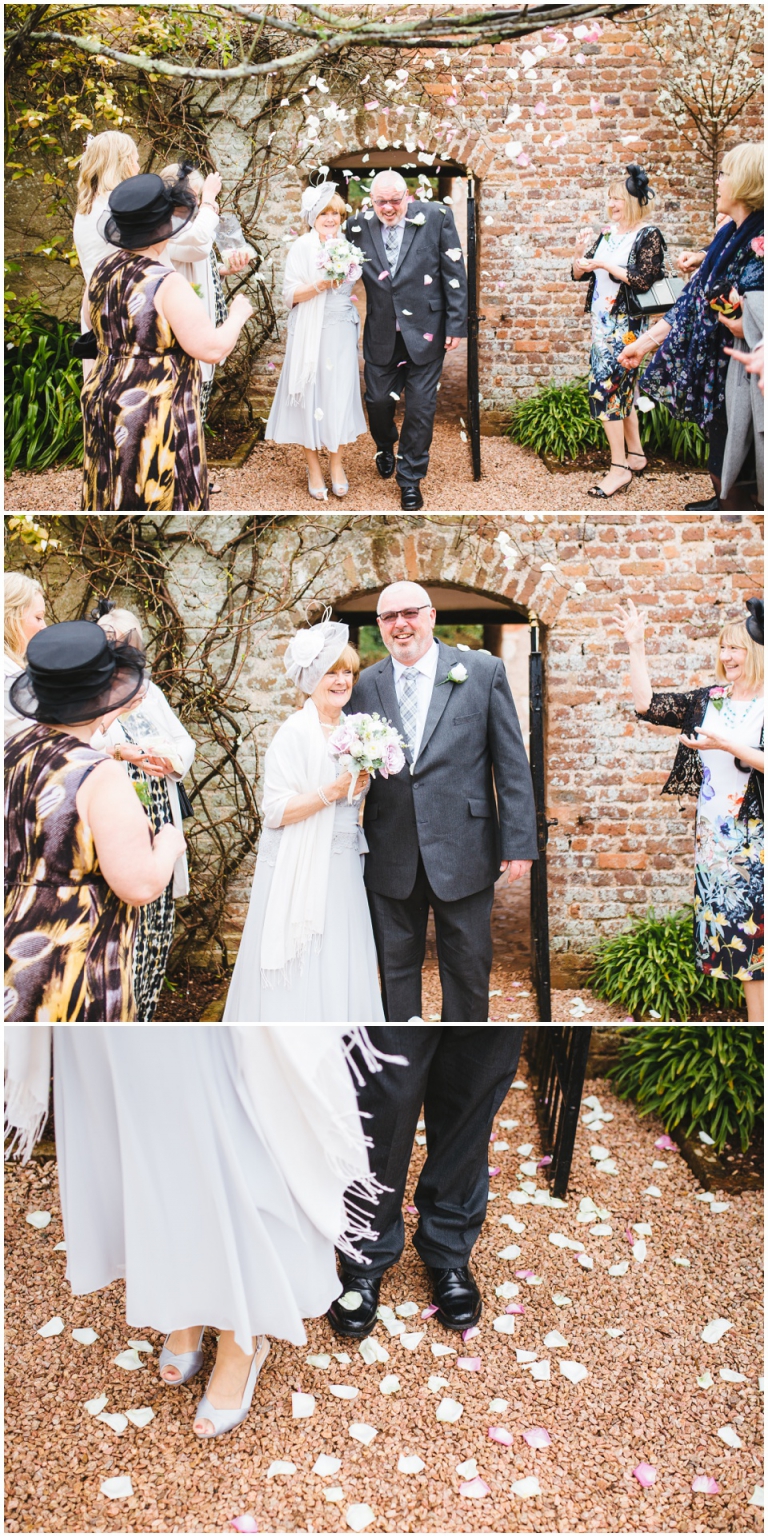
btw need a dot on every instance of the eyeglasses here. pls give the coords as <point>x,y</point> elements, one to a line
<point>408,614</point>
<point>388,202</point>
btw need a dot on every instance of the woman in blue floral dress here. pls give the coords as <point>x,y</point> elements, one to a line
<point>720,760</point>
<point>688,372</point>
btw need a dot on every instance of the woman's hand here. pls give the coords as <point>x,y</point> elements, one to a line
<point>339,790</point>
<point>361,784</point>
<point>156,765</point>
<point>237,260</point>
<point>688,261</point>
<point>735,325</point>
<point>127,752</point>
<point>584,240</point>
<point>634,352</point>
<point>172,841</point>
<point>705,741</point>
<point>211,187</point>
<point>240,309</point>
<point>631,624</point>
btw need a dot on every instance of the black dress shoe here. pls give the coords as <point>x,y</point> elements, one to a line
<point>411,498</point>
<point>355,1323</point>
<point>713,505</point>
<point>385,463</point>
<point>456,1296</point>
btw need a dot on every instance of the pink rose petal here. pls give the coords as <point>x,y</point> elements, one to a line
<point>540,109</point>
<point>542,1163</point>
<point>666,1144</point>
<point>491,1172</point>
<point>370,105</point>
<point>702,1484</point>
<point>523,1275</point>
<point>515,1307</point>
<point>246,1523</point>
<point>538,1437</point>
<point>469,1363</point>
<point>412,1209</point>
<point>428,338</point>
<point>523,159</point>
<point>470,1334</point>
<point>629,1235</point>
<point>428,1312</point>
<point>645,1474</point>
<point>494,1137</point>
<point>501,1434</point>
<point>476,1489</point>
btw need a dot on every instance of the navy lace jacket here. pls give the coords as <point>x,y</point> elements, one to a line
<point>686,712</point>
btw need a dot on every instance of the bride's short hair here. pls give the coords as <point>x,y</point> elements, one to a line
<point>349,659</point>
<point>336,205</point>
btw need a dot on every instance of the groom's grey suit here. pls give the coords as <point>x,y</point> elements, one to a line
<point>437,831</point>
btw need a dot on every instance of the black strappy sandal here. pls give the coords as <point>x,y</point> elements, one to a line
<point>606,495</point>
<point>633,454</point>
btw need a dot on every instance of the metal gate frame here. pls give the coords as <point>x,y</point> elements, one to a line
<point>539,900</point>
<point>558,1062</point>
<point>473,328</point>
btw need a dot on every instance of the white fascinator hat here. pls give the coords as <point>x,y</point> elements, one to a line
<point>315,199</point>
<point>312,653</point>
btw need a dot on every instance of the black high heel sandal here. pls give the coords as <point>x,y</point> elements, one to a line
<point>596,491</point>
<point>633,454</point>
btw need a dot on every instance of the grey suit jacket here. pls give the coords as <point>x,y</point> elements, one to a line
<point>436,309</point>
<point>446,809</point>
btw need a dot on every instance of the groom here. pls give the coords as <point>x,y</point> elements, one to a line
<point>416,297</point>
<point>460,811</point>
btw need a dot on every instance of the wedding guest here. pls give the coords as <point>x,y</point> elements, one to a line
<point>80,852</point>
<point>307,949</point>
<point>107,160</point>
<point>317,402</point>
<point>628,258</point>
<point>752,363</point>
<point>743,457</point>
<point>23,616</point>
<point>460,1076</point>
<point>719,760</point>
<point>220,1212</point>
<point>143,445</point>
<point>158,752</point>
<point>688,373</point>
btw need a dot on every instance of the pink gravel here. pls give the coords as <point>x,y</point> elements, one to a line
<point>639,1402</point>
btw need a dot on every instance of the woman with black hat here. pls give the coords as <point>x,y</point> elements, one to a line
<point>80,853</point>
<point>628,257</point>
<point>143,443</point>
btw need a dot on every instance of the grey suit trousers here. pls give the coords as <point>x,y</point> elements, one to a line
<point>420,381</point>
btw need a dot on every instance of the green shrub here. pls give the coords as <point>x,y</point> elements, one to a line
<point>556,421</point>
<point>701,1077</point>
<point>43,424</point>
<point>652,966</point>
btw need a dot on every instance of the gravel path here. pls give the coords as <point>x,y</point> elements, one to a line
<point>639,1402</point>
<point>274,480</point>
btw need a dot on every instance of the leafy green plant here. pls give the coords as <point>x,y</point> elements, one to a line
<point>661,433</point>
<point>701,1077</point>
<point>556,421</point>
<point>652,967</point>
<point>43,424</point>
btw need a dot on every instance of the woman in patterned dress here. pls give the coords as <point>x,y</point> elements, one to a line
<point>157,752</point>
<point>627,258</point>
<point>81,855</point>
<point>720,760</point>
<point>143,444</point>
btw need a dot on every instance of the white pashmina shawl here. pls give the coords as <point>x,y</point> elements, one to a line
<point>301,269</point>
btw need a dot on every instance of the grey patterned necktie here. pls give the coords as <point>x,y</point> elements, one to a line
<point>407,698</point>
<point>390,245</point>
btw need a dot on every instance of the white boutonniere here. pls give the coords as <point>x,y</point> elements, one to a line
<point>418,218</point>
<point>457,674</point>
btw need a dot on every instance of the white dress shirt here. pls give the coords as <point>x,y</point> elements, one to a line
<point>426,670</point>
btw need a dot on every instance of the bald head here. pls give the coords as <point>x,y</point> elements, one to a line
<point>409,636</point>
<point>388,181</point>
<point>389,195</point>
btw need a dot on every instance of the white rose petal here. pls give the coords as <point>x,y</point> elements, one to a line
<point>389,1385</point>
<point>59,1248</point>
<point>116,1422</point>
<point>505,1324</point>
<point>119,1488</point>
<point>322,1362</point>
<point>129,1360</point>
<point>410,1465</point>
<point>467,1469</point>
<point>540,1371</point>
<point>498,1406</point>
<point>95,1405</point>
<point>302,1405</point>
<point>639,1250</point>
<point>526,1488</point>
<point>443,1350</point>
<point>561,1241</point>
<point>362,1432</point>
<point>615,1333</point>
<point>561,1301</point>
<point>140,1417</point>
<point>526,1356</point>
<point>705,1196</point>
<point>140,1345</point>
<point>394,1326</point>
<point>407,1309</point>
<point>599,1153</point>
<point>455,254</point>
<point>325,1466</point>
<point>449,1411</point>
<point>507,1289</point>
<point>643,1229</point>
<point>39,1219</point>
<point>512,1251</point>
<point>554,1340</point>
<point>512,1222</point>
<point>758,1496</point>
<point>372,1352</point>
<point>607,1166</point>
<point>519,1198</point>
<point>715,1330</point>
<point>276,1468</point>
<point>334,1496</point>
<point>53,1326</point>
<point>652,1190</point>
<point>707,1140</point>
<point>720,1206</point>
<point>85,1336</point>
<point>706,1380</point>
<point>345,1360</point>
<point>620,1269</point>
<point>730,1437</point>
<point>573,1370</point>
<point>728,1375</point>
<point>341,1391</point>
<point>411,1341</point>
<point>437,1384</point>
<point>602,1230</point>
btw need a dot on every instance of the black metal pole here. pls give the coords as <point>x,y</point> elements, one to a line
<point>473,324</point>
<point>539,908</point>
<point>569,1114</point>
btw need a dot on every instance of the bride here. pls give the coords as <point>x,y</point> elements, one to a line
<point>307,951</point>
<point>318,402</point>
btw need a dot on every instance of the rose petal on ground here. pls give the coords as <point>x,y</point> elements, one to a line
<point>362,1432</point>
<point>302,1405</point>
<point>519,1198</point>
<point>720,1206</point>
<point>706,1380</point>
<point>129,1360</point>
<point>526,1355</point>
<point>652,1190</point>
<point>140,1417</point>
<point>598,1153</point>
<point>504,1324</point>
<point>443,1350</point>
<point>276,1468</point>
<point>678,1260</point>
<point>476,1489</point>
<point>607,1166</point>
<point>119,1488</point>
<point>614,1333</point>
<point>429,1312</point>
<point>467,1469</point>
<point>449,1410</point>
<point>645,1474</point>
<point>658,1164</point>
<point>500,1434</point>
<point>321,1362</point>
<point>334,1496</point>
<point>338,1391</point>
<point>389,1385</point>
<point>470,1334</point>
<point>326,1466</point>
<point>358,1517</point>
<point>436,1384</point>
<point>602,1230</point>
<point>530,1169</point>
<point>507,1289</point>
<point>561,1301</point>
<point>562,1241</point>
<point>59,1248</point>
<point>470,1363</point>
<point>86,1337</point>
<point>38,1219</point>
<point>95,1405</point>
<point>728,1434</point>
<point>585,1261</point>
<point>116,1422</point>
<point>715,1330</point>
<point>498,1406</point>
<point>410,1465</point>
<point>706,1139</point>
<point>140,1345</point>
<point>512,1251</point>
<point>515,1307</point>
<point>728,1375</point>
<point>620,1269</point>
<point>666,1144</point>
<point>573,1370</point>
<point>371,1352</point>
<point>407,1310</point>
<point>492,1172</point>
<point>643,1229</point>
<point>702,1484</point>
<point>758,1496</point>
<point>526,1488</point>
<point>53,1326</point>
<point>246,1523</point>
<point>554,1340</point>
<point>393,1326</point>
<point>350,1301</point>
<point>538,1437</point>
<point>540,1371</point>
<point>512,1222</point>
<point>525,1275</point>
<point>411,1341</point>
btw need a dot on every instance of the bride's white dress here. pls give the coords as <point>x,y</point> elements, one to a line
<point>332,411</point>
<point>339,982</point>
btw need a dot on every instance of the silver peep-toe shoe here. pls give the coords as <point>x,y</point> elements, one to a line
<point>320,496</point>
<point>188,1364</point>
<point>340,487</point>
<point>223,1420</point>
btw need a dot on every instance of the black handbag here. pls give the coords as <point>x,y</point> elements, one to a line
<point>659,298</point>
<point>185,805</point>
<point>84,346</point>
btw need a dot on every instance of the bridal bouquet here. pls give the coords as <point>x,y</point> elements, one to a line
<point>367,742</point>
<point>341,261</point>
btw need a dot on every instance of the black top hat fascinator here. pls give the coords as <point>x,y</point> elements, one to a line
<point>637,184</point>
<point>755,620</point>
<point>143,210</point>
<point>76,673</point>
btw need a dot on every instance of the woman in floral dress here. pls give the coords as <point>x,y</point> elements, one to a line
<point>720,760</point>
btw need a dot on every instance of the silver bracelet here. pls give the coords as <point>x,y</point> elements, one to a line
<point>323,797</point>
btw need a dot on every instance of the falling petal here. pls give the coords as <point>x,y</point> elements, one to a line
<point>500,1434</point>
<point>427,279</point>
<point>702,1484</point>
<point>116,1422</point>
<point>319,413</point>
<point>645,1474</point>
<point>338,1391</point>
<point>715,1330</point>
<point>362,1432</point>
<point>53,1326</point>
<point>410,1465</point>
<point>476,1489</point>
<point>140,1417</point>
<point>449,1410</point>
<point>302,1405</point>
<point>538,1437</point>
<point>428,336</point>
<point>359,1517</point>
<point>119,1488</point>
<point>38,1219</point>
<point>729,1436</point>
<point>573,1370</point>
<point>526,1488</point>
<point>276,1468</point>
